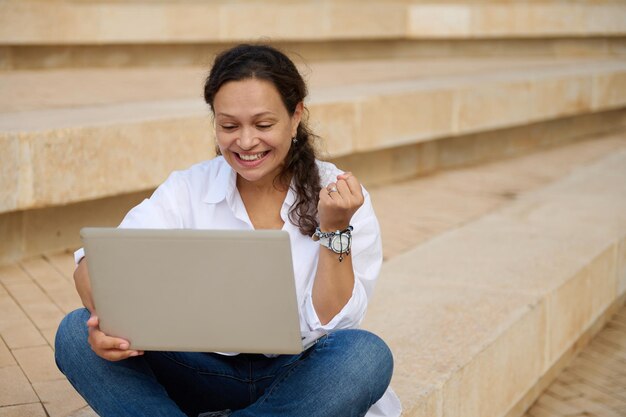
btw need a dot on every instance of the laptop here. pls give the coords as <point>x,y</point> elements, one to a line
<point>196,290</point>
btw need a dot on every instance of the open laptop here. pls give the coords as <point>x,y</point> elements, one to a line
<point>196,290</point>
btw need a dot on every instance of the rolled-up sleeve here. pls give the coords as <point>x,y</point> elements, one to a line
<point>367,258</point>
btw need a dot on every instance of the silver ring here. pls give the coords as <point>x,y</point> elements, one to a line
<point>333,190</point>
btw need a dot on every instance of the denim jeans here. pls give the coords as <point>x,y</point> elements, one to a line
<point>343,374</point>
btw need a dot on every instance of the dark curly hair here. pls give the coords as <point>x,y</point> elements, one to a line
<point>264,62</point>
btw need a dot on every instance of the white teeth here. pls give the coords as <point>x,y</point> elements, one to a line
<point>253,157</point>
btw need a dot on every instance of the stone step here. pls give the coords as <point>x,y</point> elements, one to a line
<point>478,315</point>
<point>75,135</point>
<point>462,19</point>
<point>105,22</point>
<point>161,55</point>
<point>431,204</point>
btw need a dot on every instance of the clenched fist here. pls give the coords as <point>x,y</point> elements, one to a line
<point>338,202</point>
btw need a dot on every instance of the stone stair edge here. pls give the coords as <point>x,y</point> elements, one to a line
<point>102,114</point>
<point>525,207</point>
<point>535,313</point>
<point>449,382</point>
<point>372,122</point>
<point>105,23</point>
<point>485,71</point>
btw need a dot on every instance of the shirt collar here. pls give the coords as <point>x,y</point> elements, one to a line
<point>222,185</point>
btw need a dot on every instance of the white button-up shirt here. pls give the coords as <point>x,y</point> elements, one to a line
<point>205,196</point>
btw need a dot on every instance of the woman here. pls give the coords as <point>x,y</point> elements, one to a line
<point>266,177</point>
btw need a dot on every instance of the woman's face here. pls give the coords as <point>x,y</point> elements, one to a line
<point>253,128</point>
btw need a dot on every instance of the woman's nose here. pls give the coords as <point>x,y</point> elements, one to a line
<point>248,139</point>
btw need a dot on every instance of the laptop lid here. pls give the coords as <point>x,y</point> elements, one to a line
<point>195,290</point>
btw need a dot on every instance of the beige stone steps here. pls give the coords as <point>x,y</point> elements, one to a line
<point>100,22</point>
<point>458,197</point>
<point>478,315</point>
<point>430,203</point>
<point>49,147</point>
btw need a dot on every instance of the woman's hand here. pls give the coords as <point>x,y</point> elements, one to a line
<point>107,347</point>
<point>338,202</point>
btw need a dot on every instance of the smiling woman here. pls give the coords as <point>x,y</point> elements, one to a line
<point>265,83</point>
<point>266,176</point>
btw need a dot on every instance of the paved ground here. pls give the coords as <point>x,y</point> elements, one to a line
<point>36,293</point>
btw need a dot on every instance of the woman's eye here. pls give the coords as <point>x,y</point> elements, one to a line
<point>228,127</point>
<point>264,126</point>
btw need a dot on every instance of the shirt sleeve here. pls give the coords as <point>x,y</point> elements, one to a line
<point>367,258</point>
<point>160,211</point>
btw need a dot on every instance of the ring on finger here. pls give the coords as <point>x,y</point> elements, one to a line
<point>333,190</point>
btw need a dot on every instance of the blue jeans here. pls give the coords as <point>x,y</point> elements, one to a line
<point>343,374</point>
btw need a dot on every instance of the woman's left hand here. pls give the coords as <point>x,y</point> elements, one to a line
<point>338,202</point>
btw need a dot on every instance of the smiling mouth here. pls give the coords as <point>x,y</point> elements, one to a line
<point>252,157</point>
